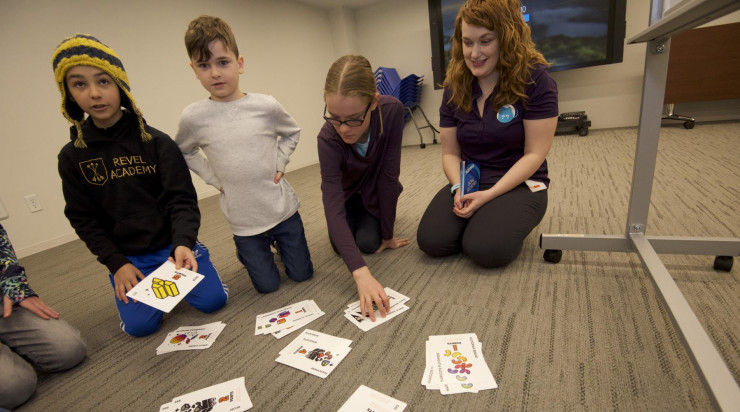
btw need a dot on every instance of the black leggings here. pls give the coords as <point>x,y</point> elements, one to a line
<point>364,226</point>
<point>492,237</point>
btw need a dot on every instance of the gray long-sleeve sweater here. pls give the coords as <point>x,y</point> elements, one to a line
<point>245,143</point>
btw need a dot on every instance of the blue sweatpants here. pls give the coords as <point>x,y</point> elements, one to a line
<point>210,295</point>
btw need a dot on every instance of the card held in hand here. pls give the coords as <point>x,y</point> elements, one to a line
<point>469,177</point>
<point>165,287</point>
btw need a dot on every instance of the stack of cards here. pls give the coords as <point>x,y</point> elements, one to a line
<point>366,399</point>
<point>398,306</point>
<point>165,287</point>
<point>285,320</point>
<point>229,396</point>
<point>455,364</point>
<point>469,177</point>
<point>315,352</point>
<point>191,338</point>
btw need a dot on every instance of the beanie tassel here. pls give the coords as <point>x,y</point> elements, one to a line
<point>79,142</point>
<point>145,136</point>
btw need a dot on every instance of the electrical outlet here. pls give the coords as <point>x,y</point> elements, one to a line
<point>3,211</point>
<point>33,203</point>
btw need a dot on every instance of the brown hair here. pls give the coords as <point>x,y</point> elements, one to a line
<point>204,30</point>
<point>517,53</point>
<point>352,76</point>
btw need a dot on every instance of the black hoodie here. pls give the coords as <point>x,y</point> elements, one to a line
<point>127,197</point>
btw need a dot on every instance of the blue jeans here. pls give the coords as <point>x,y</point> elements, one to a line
<point>255,254</point>
<point>209,295</point>
<point>28,343</point>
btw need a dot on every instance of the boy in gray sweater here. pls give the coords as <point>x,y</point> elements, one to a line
<point>247,140</point>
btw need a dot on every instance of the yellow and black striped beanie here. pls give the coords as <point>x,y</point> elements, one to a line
<point>86,50</point>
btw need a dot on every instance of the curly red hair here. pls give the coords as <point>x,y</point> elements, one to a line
<point>517,53</point>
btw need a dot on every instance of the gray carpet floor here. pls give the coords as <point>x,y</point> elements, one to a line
<point>589,333</point>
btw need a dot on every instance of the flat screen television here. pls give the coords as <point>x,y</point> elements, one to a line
<point>570,33</point>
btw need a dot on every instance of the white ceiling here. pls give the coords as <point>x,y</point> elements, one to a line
<point>330,4</point>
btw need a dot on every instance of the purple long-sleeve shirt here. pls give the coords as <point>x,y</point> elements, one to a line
<point>345,172</point>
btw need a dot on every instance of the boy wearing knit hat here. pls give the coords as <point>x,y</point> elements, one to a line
<point>127,188</point>
<point>247,140</point>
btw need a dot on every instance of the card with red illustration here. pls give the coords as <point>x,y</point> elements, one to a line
<point>315,352</point>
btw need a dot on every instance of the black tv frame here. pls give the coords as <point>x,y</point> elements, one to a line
<point>616,33</point>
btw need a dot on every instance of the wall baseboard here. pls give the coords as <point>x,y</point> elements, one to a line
<point>210,191</point>
<point>47,244</point>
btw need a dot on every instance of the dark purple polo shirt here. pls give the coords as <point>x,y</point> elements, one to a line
<point>496,140</point>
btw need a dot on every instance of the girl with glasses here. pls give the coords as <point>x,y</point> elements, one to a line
<point>360,157</point>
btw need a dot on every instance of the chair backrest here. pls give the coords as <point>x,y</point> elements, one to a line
<point>407,90</point>
<point>387,81</point>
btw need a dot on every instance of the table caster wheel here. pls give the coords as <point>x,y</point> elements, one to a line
<point>552,255</point>
<point>723,263</point>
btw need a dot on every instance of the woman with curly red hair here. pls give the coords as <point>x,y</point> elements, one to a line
<point>499,110</point>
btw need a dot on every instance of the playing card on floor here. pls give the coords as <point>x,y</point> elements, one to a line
<point>290,317</point>
<point>315,352</point>
<point>191,338</point>
<point>164,288</point>
<point>228,396</point>
<point>397,303</point>
<point>365,323</point>
<point>394,298</point>
<point>367,399</point>
<point>313,313</point>
<point>455,364</point>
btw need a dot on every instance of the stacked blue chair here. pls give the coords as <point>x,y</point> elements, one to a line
<point>387,81</point>
<point>408,91</point>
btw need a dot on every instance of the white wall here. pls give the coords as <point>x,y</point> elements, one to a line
<point>287,45</point>
<point>344,36</point>
<point>395,33</point>
<point>286,57</point>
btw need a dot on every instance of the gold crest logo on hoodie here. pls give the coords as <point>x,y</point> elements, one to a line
<point>94,171</point>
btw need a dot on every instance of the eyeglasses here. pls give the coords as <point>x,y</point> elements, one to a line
<point>349,122</point>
